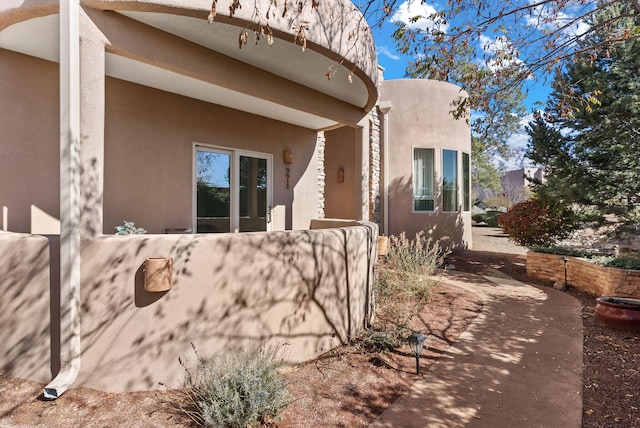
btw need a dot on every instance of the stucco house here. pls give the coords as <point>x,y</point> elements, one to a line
<point>427,163</point>
<point>263,172</point>
<point>522,177</point>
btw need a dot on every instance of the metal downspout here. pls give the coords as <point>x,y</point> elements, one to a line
<point>69,201</point>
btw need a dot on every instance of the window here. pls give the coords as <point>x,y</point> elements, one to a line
<point>232,191</point>
<point>449,180</point>
<point>423,180</point>
<point>466,182</point>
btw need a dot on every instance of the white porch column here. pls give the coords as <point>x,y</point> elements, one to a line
<point>92,119</point>
<point>362,175</point>
<point>81,172</point>
<point>70,206</point>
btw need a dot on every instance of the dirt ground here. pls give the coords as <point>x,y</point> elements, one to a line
<point>345,387</point>
<point>350,388</point>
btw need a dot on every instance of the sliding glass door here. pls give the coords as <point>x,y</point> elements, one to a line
<point>253,194</point>
<point>232,191</point>
<point>213,191</point>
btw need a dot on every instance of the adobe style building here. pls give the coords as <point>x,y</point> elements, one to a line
<point>522,177</point>
<point>263,173</point>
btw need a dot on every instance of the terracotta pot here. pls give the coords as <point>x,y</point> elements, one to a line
<point>619,312</point>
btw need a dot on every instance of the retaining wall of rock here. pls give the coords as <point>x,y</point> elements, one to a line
<point>585,276</point>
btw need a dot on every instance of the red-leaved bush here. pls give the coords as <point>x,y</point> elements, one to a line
<point>531,223</point>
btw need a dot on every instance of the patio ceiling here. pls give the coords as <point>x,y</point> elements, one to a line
<point>39,37</point>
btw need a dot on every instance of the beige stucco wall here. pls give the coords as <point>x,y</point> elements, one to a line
<point>139,165</point>
<point>149,157</point>
<point>24,307</point>
<point>29,144</point>
<point>306,290</point>
<point>334,29</point>
<point>420,117</point>
<point>340,152</point>
<point>149,137</point>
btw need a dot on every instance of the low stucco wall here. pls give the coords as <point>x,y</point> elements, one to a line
<point>306,290</point>
<point>329,223</point>
<point>585,276</point>
<point>24,306</point>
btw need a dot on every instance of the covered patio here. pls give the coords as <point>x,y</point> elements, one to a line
<point>110,103</point>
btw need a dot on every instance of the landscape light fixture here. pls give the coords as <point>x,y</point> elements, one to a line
<point>565,260</point>
<point>416,342</point>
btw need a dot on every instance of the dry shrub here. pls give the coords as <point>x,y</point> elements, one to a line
<point>404,284</point>
<point>239,389</point>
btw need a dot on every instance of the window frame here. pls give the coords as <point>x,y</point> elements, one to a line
<point>466,182</point>
<point>234,183</point>
<point>456,196</point>
<point>433,196</point>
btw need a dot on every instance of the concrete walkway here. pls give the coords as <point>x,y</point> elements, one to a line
<point>518,365</point>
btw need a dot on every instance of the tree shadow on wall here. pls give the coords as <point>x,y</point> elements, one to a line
<point>24,307</point>
<point>445,227</point>
<point>305,288</point>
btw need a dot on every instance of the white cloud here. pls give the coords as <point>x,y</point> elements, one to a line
<point>494,47</point>
<point>518,143</point>
<point>410,9</point>
<point>387,52</point>
<point>520,139</point>
<point>544,18</point>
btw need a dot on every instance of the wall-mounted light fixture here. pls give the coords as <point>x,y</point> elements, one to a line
<point>158,274</point>
<point>565,260</point>
<point>341,175</point>
<point>287,156</point>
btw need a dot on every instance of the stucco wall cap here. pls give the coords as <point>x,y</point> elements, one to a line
<point>424,84</point>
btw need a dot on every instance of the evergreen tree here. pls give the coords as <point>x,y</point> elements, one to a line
<point>591,138</point>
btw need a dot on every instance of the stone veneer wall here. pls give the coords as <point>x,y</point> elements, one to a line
<point>585,276</point>
<point>375,152</point>
<point>320,145</point>
<point>374,167</point>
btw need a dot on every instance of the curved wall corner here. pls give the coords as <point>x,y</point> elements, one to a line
<point>420,117</point>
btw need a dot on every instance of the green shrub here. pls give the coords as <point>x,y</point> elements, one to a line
<point>375,340</point>
<point>607,260</point>
<point>479,218</point>
<point>628,262</point>
<point>237,390</point>
<point>531,223</point>
<point>129,228</point>
<point>491,218</point>
<point>562,251</point>
<point>403,285</point>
